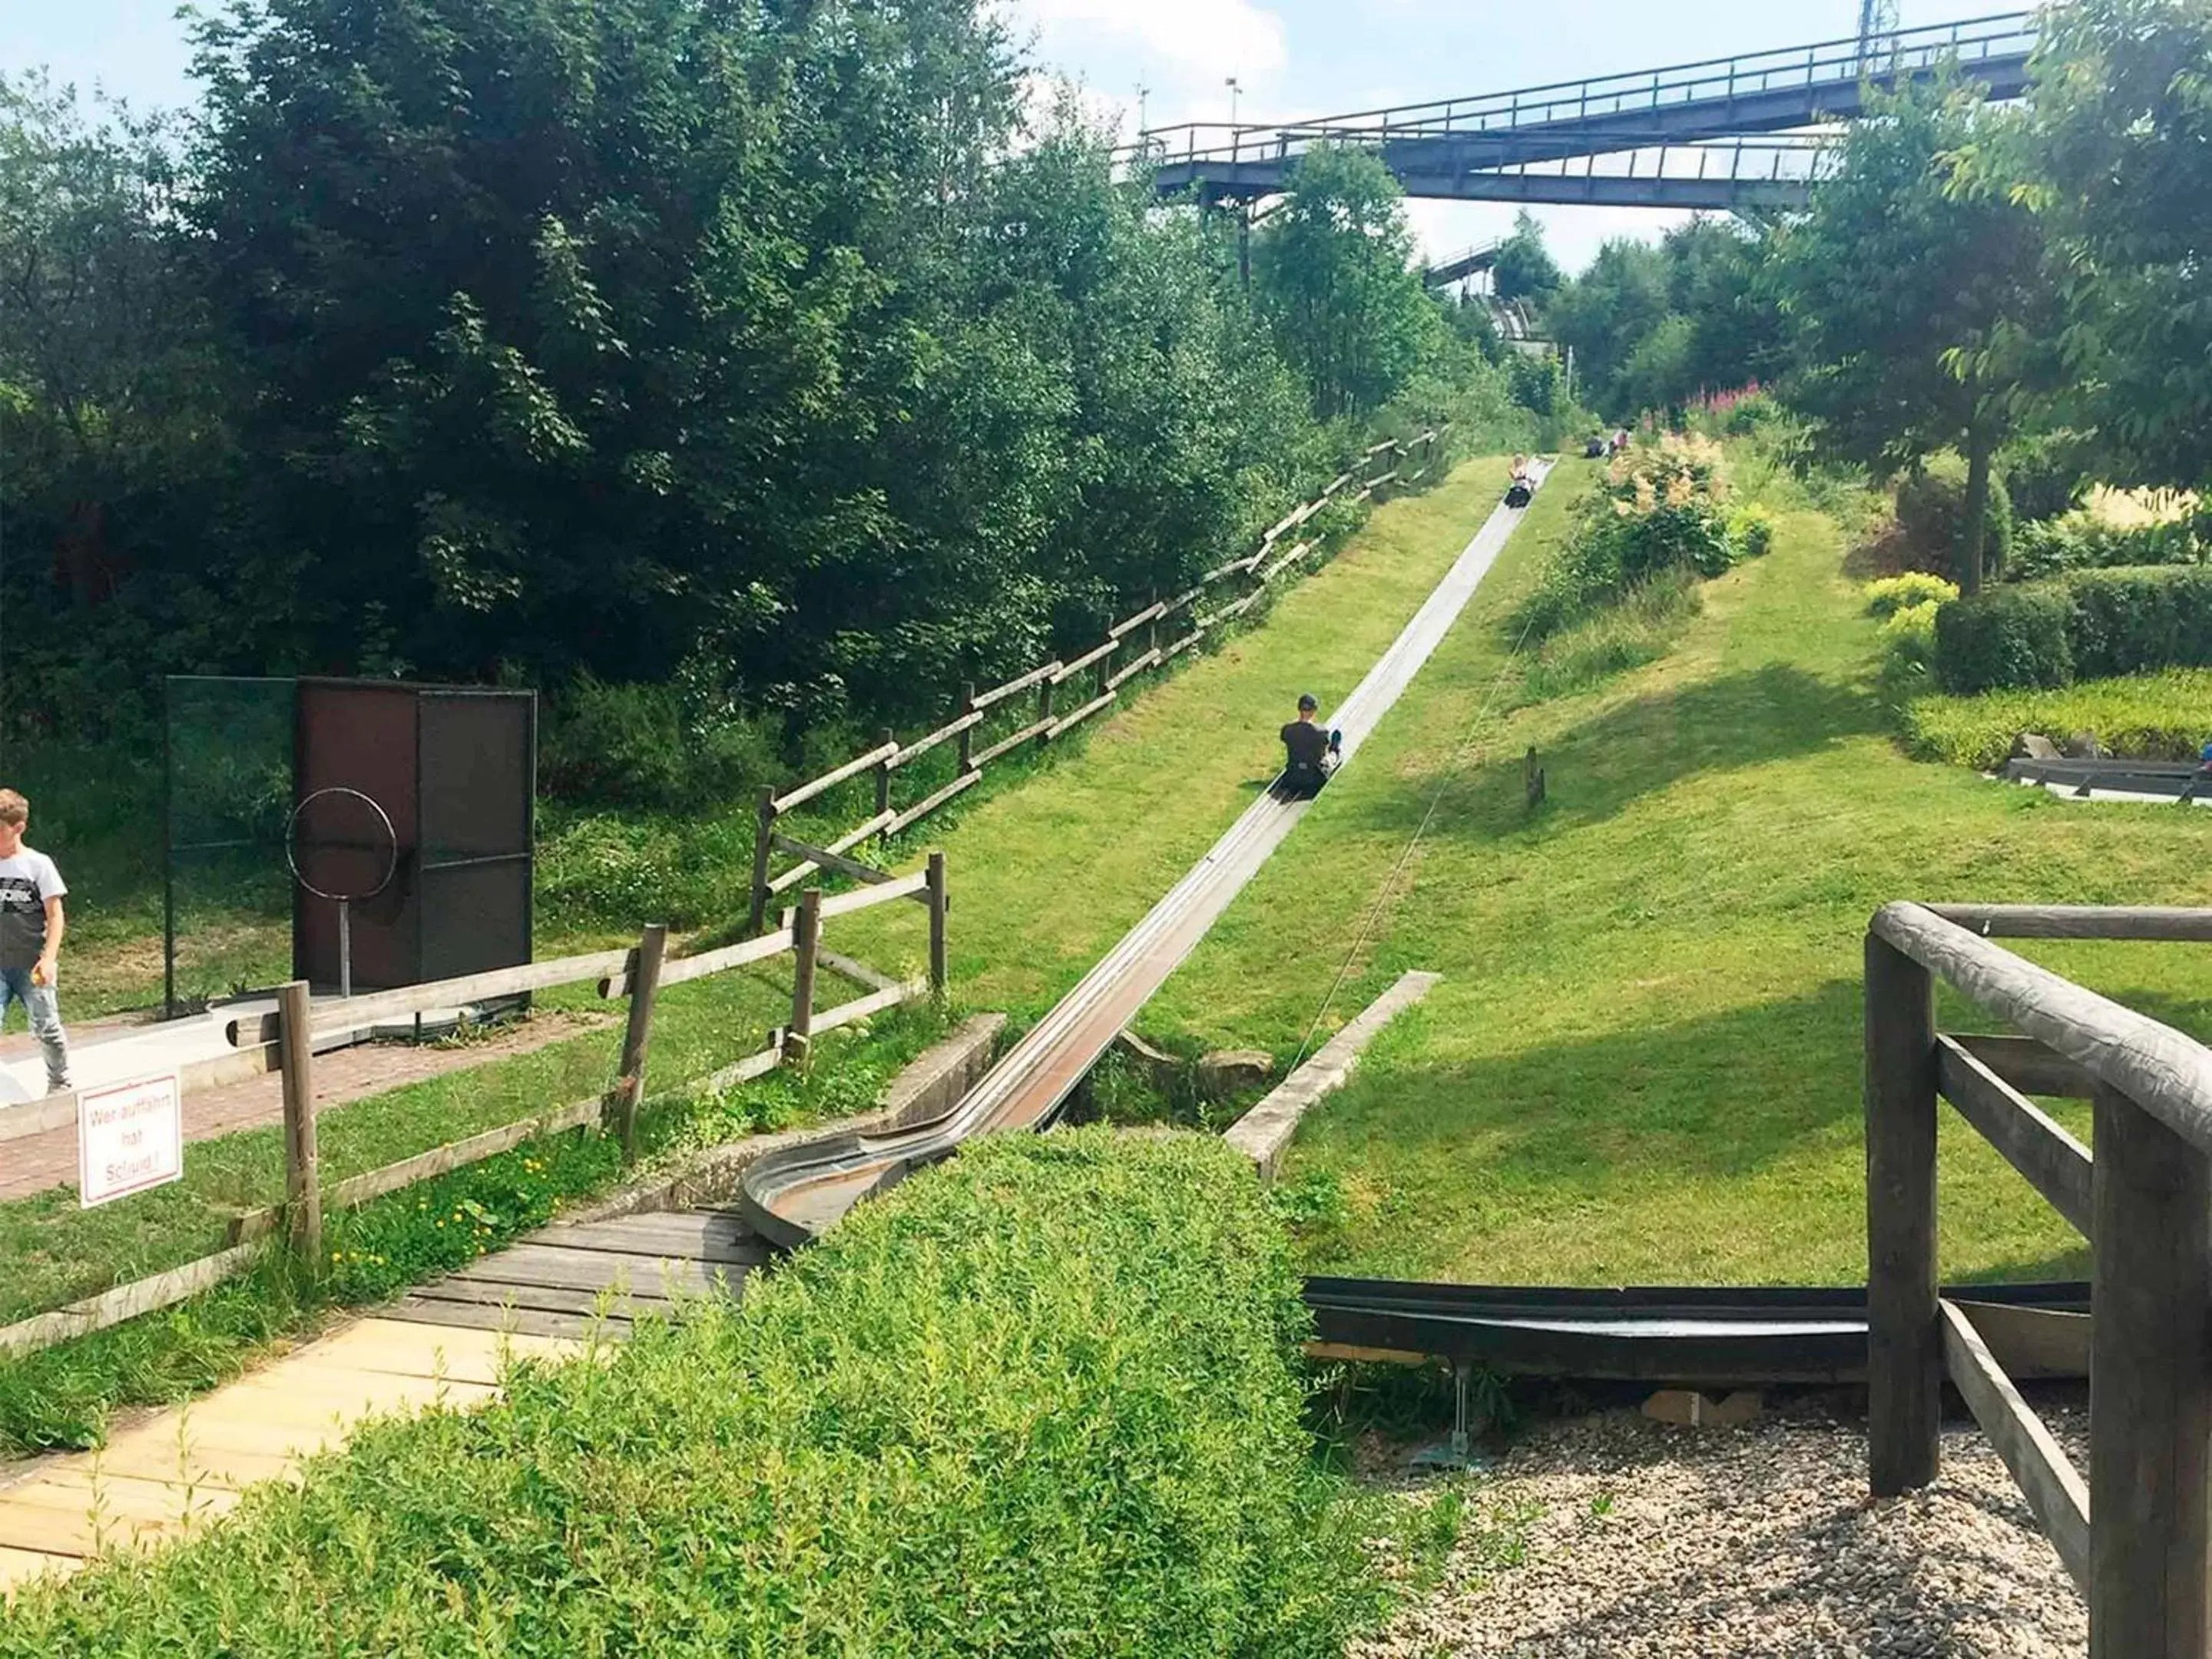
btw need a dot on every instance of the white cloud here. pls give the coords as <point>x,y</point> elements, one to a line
<point>1181,51</point>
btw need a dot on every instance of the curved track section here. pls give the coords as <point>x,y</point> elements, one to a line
<point>793,1196</point>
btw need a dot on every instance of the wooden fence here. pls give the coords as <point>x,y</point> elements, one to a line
<point>2144,1201</point>
<point>284,1041</point>
<point>1133,646</point>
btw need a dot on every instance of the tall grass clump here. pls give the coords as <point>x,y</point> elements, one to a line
<point>1041,1401</point>
<point>2166,716</point>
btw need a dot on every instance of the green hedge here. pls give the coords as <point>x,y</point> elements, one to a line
<point>1042,1400</point>
<point>2007,636</point>
<point>2145,717</point>
<point>2093,624</point>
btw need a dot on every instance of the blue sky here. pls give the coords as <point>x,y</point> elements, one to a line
<point>1293,57</point>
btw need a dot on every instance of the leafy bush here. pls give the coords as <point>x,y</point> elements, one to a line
<point>2126,621</point>
<point>1619,637</point>
<point>2081,541</point>
<point>2005,636</point>
<point>634,746</point>
<point>2145,717</point>
<point>1043,1399</point>
<point>1751,530</point>
<point>1661,511</point>
<point>1912,590</point>
<point>2045,475</point>
<point>1931,506</point>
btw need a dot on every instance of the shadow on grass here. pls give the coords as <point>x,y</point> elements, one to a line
<point>1600,768</point>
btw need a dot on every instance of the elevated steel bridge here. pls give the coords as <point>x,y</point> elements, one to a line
<point>1689,135</point>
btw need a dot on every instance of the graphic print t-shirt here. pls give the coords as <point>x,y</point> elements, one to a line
<point>26,881</point>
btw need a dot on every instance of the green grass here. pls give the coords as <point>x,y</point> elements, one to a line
<point>1077,1353</point>
<point>1643,1063</point>
<point>2162,716</point>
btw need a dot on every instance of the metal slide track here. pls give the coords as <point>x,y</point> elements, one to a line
<point>1724,1334</point>
<point>792,1197</point>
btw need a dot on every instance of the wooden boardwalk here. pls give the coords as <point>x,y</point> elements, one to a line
<point>439,1345</point>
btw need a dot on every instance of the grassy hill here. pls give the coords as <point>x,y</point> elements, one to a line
<point>1642,1064</point>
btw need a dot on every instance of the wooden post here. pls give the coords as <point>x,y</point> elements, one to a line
<point>303,1187</point>
<point>629,1081</point>
<point>884,777</point>
<point>2150,1388</point>
<point>1044,709</point>
<point>968,733</point>
<point>798,1037</point>
<point>762,836</point>
<point>1904,1342</point>
<point>938,974</point>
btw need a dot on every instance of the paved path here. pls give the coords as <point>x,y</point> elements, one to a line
<point>439,1345</point>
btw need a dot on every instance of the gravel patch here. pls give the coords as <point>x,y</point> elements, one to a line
<point>1617,1538</point>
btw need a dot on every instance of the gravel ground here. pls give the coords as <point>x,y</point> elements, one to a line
<point>1616,1537</point>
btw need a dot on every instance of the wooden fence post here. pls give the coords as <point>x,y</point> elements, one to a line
<point>799,1036</point>
<point>2150,1388</point>
<point>629,1081</point>
<point>303,1189</point>
<point>938,974</point>
<point>762,836</point>
<point>884,778</point>
<point>1905,1352</point>
<point>1044,709</point>
<point>968,733</point>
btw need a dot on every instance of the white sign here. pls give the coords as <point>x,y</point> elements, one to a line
<point>130,1136</point>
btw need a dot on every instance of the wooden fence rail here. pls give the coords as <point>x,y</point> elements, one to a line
<point>2136,1536</point>
<point>1265,565</point>
<point>638,972</point>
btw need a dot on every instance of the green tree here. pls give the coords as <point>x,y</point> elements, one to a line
<point>1918,306</point>
<point>1604,314</point>
<point>1333,274</point>
<point>1524,269</point>
<point>2117,160</point>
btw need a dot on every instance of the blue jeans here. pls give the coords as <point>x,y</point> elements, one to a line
<point>40,1003</point>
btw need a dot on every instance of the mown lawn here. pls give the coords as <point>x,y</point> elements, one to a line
<point>1642,1064</point>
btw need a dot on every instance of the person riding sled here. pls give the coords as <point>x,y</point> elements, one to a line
<point>1311,752</point>
<point>1521,486</point>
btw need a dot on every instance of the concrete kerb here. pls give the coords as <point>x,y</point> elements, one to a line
<point>1263,1133</point>
<point>928,1087</point>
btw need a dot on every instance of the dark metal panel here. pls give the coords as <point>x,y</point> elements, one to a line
<point>360,734</point>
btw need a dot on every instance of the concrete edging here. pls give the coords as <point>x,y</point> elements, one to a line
<point>1263,1133</point>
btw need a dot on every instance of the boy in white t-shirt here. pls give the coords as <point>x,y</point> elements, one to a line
<point>31,924</point>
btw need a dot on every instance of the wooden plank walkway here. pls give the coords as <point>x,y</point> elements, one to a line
<point>439,1345</point>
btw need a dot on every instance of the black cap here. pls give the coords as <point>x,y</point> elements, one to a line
<point>1308,700</point>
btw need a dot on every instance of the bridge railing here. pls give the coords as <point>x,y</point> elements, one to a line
<point>2006,37</point>
<point>2143,1201</point>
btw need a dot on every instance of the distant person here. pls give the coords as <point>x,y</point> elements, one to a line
<point>1310,752</point>
<point>2200,780</point>
<point>1620,441</point>
<point>31,936</point>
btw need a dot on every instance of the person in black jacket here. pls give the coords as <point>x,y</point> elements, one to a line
<point>1307,749</point>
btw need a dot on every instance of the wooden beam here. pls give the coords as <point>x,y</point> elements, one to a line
<point>940,973</point>
<point>1035,729</point>
<point>2134,921</point>
<point>1098,653</point>
<point>798,1036</point>
<point>1228,611</point>
<point>1001,693</point>
<point>303,1190</point>
<point>2055,1163</point>
<point>829,780</point>
<point>823,859</point>
<point>637,1034</point>
<point>1285,561</point>
<point>336,1016</point>
<point>856,970</point>
<point>2027,1065</point>
<point>2168,1074</point>
<point>1122,676</point>
<point>1066,722</point>
<point>97,1312</point>
<point>1130,624</point>
<point>1168,607</point>
<point>953,728</point>
<point>921,809</point>
<point>1905,1358</point>
<point>1169,652</point>
<point>881,823</point>
<point>915,886</point>
<point>2046,1476</point>
<point>677,969</point>
<point>874,1003</point>
<point>2150,1395</point>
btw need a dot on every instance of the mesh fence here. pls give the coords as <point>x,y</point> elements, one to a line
<point>226,894</point>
